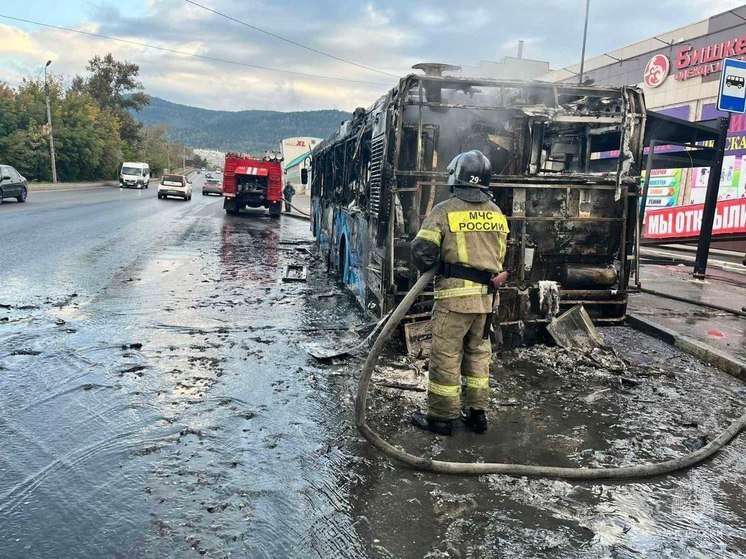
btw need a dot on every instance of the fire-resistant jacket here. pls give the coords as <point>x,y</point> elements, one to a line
<point>467,233</point>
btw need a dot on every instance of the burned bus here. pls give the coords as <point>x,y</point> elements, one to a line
<point>571,226</point>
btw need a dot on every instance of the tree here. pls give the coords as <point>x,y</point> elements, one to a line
<point>88,143</point>
<point>113,85</point>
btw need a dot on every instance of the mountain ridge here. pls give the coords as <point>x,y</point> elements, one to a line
<point>251,131</point>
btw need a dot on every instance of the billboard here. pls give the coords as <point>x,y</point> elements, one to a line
<point>733,174</point>
<point>685,222</point>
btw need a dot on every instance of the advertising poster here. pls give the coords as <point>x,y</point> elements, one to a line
<point>732,179</point>
<point>663,190</point>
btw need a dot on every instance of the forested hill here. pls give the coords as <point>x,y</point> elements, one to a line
<point>248,131</point>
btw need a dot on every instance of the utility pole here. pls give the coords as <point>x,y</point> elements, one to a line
<point>168,157</point>
<point>49,124</point>
<point>184,157</point>
<point>585,36</point>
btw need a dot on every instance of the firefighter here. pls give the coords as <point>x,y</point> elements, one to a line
<point>288,193</point>
<point>466,237</point>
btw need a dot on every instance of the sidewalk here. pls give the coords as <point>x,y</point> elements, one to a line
<point>301,202</point>
<point>712,326</point>
<point>61,186</point>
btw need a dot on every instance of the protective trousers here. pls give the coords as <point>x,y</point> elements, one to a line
<point>459,355</point>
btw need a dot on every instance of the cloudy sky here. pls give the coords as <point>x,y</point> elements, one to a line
<point>388,36</point>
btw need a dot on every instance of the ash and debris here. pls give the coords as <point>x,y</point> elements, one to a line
<point>549,297</point>
<point>637,401</point>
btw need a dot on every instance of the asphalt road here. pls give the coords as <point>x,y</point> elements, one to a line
<point>58,241</point>
<point>154,397</point>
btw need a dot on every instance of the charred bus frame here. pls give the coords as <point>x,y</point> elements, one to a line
<point>381,173</point>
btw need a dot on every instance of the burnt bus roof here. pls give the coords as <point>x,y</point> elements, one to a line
<point>610,110</point>
<point>553,110</point>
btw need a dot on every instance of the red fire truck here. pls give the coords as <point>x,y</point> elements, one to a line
<point>255,182</point>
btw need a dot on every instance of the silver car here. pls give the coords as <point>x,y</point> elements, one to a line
<point>12,184</point>
<point>212,186</point>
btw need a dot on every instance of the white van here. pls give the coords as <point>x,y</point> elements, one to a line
<point>134,174</point>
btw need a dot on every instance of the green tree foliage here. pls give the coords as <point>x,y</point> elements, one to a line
<point>94,131</point>
<point>113,85</point>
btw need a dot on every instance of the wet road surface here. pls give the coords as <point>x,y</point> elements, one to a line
<point>212,437</point>
<point>156,401</point>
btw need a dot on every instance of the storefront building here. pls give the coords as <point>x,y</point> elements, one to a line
<point>679,71</point>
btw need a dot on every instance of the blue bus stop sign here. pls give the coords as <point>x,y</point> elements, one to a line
<point>732,94</point>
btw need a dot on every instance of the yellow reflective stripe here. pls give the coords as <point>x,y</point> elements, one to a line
<point>460,292</point>
<point>501,248</point>
<point>430,235</point>
<point>476,382</point>
<point>450,391</point>
<point>482,221</point>
<point>463,254</point>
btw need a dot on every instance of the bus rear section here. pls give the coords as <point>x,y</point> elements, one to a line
<point>566,167</point>
<point>252,182</point>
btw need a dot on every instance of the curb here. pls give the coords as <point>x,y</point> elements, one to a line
<point>71,187</point>
<point>723,361</point>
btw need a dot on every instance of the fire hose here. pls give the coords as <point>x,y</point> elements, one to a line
<point>304,214</point>
<point>480,468</point>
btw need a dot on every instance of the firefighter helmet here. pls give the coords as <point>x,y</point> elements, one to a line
<point>471,169</point>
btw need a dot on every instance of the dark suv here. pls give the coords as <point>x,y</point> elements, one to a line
<point>12,184</point>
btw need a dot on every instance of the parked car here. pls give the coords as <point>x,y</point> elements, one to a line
<point>212,186</point>
<point>175,185</point>
<point>12,184</point>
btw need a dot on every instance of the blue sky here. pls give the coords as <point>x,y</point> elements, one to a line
<point>389,35</point>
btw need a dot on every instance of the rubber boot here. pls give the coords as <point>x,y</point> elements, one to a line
<point>437,426</point>
<point>475,420</point>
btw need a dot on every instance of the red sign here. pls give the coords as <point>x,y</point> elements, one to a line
<point>656,70</point>
<point>686,221</point>
<point>691,63</point>
<point>686,57</point>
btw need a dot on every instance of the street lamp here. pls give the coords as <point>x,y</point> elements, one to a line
<point>585,37</point>
<point>49,124</point>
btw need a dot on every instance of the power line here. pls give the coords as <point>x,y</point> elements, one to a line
<point>183,53</point>
<point>297,44</point>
